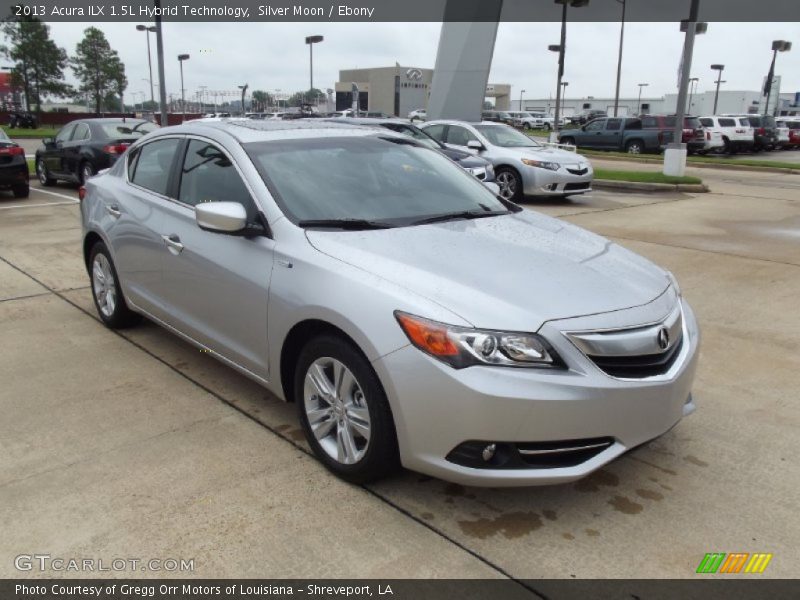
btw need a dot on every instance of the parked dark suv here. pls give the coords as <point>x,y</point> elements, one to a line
<point>765,132</point>
<point>497,116</point>
<point>693,133</point>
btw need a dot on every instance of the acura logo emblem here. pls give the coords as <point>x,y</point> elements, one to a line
<point>663,338</point>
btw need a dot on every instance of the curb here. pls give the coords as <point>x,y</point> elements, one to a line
<point>700,165</point>
<point>637,186</point>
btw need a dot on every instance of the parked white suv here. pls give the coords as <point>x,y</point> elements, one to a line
<point>736,132</point>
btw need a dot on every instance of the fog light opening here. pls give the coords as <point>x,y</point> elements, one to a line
<point>488,452</point>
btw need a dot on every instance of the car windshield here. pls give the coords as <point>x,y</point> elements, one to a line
<point>3,135</point>
<point>506,137</point>
<point>374,178</point>
<point>128,129</point>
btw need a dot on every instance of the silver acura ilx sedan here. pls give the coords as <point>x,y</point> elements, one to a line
<point>413,316</point>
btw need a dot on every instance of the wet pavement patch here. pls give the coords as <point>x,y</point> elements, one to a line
<point>625,505</point>
<point>510,525</point>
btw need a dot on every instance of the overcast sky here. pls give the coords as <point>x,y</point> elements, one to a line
<point>273,56</point>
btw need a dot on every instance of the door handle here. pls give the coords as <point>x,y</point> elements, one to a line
<point>173,243</point>
<point>113,210</point>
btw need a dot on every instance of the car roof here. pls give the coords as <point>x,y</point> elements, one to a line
<point>248,130</point>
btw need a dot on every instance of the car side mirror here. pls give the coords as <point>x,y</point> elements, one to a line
<point>222,217</point>
<point>474,145</point>
<point>492,187</point>
<point>48,142</point>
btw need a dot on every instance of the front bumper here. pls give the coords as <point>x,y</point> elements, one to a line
<point>437,408</point>
<point>542,182</point>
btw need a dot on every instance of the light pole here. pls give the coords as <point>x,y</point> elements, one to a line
<point>619,59</point>
<point>564,85</point>
<point>777,46</point>
<point>311,40</point>
<point>520,99</point>
<point>639,102</point>
<point>692,88</point>
<point>181,58</point>
<point>148,30</point>
<point>719,69</point>
<point>244,91</point>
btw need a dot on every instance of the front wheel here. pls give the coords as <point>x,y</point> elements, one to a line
<point>106,290</point>
<point>344,411</point>
<point>510,183</point>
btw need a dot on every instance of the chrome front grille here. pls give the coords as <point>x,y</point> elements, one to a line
<point>635,352</point>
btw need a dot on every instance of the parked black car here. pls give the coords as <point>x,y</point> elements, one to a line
<point>477,166</point>
<point>497,116</point>
<point>765,132</point>
<point>588,115</point>
<point>13,167</point>
<point>84,147</point>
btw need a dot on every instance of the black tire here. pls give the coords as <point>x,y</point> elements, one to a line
<point>510,183</point>
<point>120,316</point>
<point>526,126</point>
<point>568,140</point>
<point>85,171</point>
<point>634,147</point>
<point>43,174</point>
<point>547,127</point>
<point>22,191</point>
<point>380,454</point>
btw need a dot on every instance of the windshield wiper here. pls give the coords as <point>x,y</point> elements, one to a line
<point>354,224</point>
<point>466,214</point>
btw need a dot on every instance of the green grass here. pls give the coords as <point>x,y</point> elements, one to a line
<point>712,160</point>
<point>643,177</point>
<point>31,165</point>
<point>41,132</point>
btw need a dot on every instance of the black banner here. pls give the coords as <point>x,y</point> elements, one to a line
<point>397,10</point>
<point>702,588</point>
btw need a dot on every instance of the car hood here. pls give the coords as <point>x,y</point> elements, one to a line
<point>464,159</point>
<point>509,272</point>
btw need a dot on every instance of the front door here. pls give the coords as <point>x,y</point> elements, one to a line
<point>216,284</point>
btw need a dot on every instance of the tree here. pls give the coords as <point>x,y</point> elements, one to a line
<point>98,67</point>
<point>261,100</point>
<point>307,97</point>
<point>38,63</point>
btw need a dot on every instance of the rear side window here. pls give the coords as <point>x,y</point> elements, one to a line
<point>436,132</point>
<point>649,122</point>
<point>613,124</point>
<point>153,163</point>
<point>727,123</point>
<point>745,122</point>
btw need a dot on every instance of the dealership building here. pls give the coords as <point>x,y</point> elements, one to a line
<point>398,90</point>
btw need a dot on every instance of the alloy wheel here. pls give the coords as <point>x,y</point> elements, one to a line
<point>508,184</point>
<point>337,410</point>
<point>86,173</point>
<point>41,172</point>
<point>104,286</point>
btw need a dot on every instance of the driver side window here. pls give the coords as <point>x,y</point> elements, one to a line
<point>208,175</point>
<point>459,136</point>
<point>65,134</point>
<point>595,126</point>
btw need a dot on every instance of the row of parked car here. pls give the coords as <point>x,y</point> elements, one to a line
<point>717,134</point>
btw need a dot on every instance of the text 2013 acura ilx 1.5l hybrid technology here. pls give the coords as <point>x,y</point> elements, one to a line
<point>413,316</point>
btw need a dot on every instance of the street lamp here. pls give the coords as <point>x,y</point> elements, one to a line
<point>148,31</point>
<point>244,91</point>
<point>561,49</point>
<point>311,40</point>
<point>564,85</point>
<point>692,89</point>
<point>619,59</point>
<point>719,69</point>
<point>777,46</point>
<point>639,102</point>
<point>181,58</point>
<point>520,99</point>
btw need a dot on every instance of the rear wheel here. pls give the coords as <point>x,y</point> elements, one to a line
<point>107,292</point>
<point>43,174</point>
<point>510,183</point>
<point>344,412</point>
<point>634,147</point>
<point>86,172</point>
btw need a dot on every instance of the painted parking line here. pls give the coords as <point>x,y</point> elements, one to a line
<point>40,204</point>
<point>40,190</point>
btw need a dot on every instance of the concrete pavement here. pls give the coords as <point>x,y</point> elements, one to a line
<point>140,445</point>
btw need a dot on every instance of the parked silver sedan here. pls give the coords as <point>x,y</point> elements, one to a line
<point>413,316</point>
<point>522,165</point>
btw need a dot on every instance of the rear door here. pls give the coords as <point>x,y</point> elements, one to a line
<point>216,285</point>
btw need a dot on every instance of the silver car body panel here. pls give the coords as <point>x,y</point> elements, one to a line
<point>240,298</point>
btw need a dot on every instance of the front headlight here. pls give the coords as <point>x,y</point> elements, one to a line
<point>550,166</point>
<point>462,347</point>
